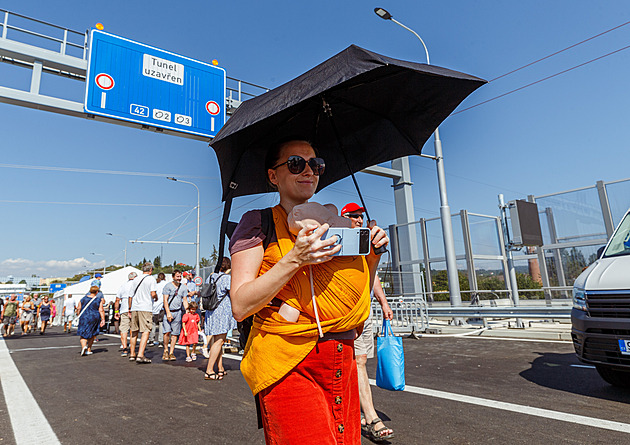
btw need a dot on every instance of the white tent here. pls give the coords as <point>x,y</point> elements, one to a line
<point>110,283</point>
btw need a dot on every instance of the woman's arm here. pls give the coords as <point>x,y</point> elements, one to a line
<point>102,312</point>
<point>250,293</point>
<point>379,238</point>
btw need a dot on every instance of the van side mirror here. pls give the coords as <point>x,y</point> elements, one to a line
<point>600,251</point>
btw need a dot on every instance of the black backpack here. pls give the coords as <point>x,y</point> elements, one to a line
<point>268,227</point>
<point>209,296</point>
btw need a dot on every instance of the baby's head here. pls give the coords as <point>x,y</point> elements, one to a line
<point>312,213</point>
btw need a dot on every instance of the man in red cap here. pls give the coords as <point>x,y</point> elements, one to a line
<point>364,345</point>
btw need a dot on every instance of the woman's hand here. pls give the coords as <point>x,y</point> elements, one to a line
<point>102,323</point>
<point>378,236</point>
<point>309,248</point>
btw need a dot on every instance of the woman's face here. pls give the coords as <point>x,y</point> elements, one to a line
<point>295,188</point>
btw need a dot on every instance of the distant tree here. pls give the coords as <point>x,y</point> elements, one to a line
<point>525,281</point>
<point>9,282</point>
<point>157,262</point>
<point>22,282</point>
<point>33,275</point>
<point>440,283</point>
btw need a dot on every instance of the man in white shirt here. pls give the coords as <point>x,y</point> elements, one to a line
<point>156,336</point>
<point>68,314</point>
<point>141,310</point>
<point>121,311</point>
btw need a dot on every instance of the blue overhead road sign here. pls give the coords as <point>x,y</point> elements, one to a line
<point>138,83</point>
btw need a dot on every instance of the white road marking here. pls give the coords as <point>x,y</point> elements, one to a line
<point>521,409</point>
<point>583,366</point>
<point>487,337</point>
<point>58,347</point>
<point>29,423</point>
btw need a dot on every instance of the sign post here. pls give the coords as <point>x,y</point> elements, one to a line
<point>135,82</point>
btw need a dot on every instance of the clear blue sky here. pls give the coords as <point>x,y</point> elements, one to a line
<point>563,133</point>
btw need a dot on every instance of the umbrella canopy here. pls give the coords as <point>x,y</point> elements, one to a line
<point>358,109</point>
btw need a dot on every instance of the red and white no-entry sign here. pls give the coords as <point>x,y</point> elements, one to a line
<point>104,81</point>
<point>198,281</point>
<point>213,108</point>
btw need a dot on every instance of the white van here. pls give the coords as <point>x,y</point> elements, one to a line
<point>601,310</point>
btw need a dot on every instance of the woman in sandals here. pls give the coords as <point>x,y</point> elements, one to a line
<point>44,312</point>
<point>306,383</point>
<point>27,315</point>
<point>219,321</point>
<point>91,316</point>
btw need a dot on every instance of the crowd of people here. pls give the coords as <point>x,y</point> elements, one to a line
<point>153,311</point>
<point>31,313</point>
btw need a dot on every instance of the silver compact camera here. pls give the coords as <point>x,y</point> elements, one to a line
<point>353,241</point>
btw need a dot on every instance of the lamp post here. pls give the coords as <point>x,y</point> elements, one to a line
<point>445,210</point>
<point>195,185</point>
<point>105,264</point>
<point>120,236</point>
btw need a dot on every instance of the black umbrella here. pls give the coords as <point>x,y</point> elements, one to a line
<point>375,107</point>
<point>357,108</point>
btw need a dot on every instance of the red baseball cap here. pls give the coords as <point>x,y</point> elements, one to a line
<point>351,208</point>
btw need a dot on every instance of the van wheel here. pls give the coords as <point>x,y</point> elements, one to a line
<point>614,376</point>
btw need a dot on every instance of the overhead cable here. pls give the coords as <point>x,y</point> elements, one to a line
<point>542,80</point>
<point>558,52</point>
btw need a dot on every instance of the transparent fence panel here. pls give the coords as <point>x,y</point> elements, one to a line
<point>575,215</point>
<point>439,279</point>
<point>434,237</point>
<point>484,235</point>
<point>410,250</point>
<point>528,279</point>
<point>490,280</point>
<point>619,199</point>
<point>458,236</point>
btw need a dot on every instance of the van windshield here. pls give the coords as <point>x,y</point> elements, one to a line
<point>620,242</point>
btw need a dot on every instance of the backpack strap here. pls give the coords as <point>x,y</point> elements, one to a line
<point>267,225</point>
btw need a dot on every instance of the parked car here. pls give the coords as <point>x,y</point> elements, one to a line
<point>601,310</point>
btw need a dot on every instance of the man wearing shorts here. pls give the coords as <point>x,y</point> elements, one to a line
<point>68,313</point>
<point>364,345</point>
<point>141,305</point>
<point>9,315</point>
<point>121,311</point>
<point>175,296</point>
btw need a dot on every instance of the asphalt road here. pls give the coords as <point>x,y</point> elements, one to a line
<point>459,391</point>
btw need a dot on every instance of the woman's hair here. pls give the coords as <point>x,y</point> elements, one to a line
<point>161,277</point>
<point>27,298</point>
<point>193,305</point>
<point>94,289</point>
<point>226,264</point>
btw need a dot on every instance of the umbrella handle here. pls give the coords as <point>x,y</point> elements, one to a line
<point>380,250</point>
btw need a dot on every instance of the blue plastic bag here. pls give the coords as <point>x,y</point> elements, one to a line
<point>390,368</point>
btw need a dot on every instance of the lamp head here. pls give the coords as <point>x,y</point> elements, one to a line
<point>171,178</point>
<point>382,13</point>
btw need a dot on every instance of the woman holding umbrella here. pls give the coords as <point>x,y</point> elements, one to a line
<point>306,383</point>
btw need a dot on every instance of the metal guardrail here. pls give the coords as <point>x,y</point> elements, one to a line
<point>502,312</point>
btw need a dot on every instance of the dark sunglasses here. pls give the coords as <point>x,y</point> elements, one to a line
<point>297,164</point>
<point>354,215</point>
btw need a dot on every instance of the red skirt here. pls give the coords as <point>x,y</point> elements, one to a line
<point>317,402</point>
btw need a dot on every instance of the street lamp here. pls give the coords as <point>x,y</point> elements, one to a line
<point>445,210</point>
<point>120,236</point>
<point>105,264</point>
<point>195,185</point>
